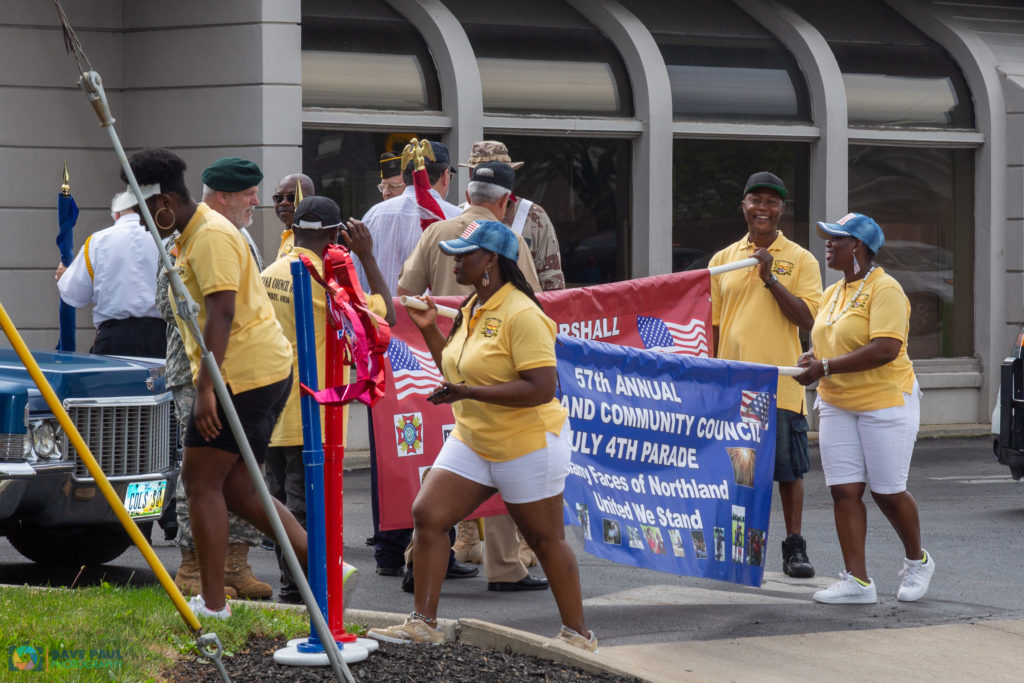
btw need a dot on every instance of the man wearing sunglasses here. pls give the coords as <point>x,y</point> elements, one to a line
<point>284,206</point>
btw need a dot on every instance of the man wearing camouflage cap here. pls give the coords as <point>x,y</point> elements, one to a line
<point>526,218</point>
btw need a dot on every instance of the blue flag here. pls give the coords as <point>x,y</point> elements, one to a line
<point>67,215</point>
<point>672,458</point>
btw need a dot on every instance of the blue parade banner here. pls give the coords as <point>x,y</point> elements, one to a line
<point>672,458</point>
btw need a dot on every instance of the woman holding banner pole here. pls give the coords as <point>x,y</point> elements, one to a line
<point>869,407</point>
<point>510,432</point>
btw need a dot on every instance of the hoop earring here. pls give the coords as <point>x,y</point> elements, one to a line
<point>156,218</point>
<point>486,279</point>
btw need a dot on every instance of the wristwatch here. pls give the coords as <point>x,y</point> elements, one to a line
<point>772,281</point>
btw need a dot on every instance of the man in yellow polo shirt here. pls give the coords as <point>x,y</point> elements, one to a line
<point>757,314</point>
<point>316,224</point>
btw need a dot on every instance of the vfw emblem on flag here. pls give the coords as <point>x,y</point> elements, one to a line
<point>414,370</point>
<point>689,339</point>
<point>409,434</point>
<point>754,407</point>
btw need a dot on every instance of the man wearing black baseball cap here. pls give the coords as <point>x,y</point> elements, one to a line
<point>757,313</point>
<point>316,223</point>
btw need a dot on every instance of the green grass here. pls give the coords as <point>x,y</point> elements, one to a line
<point>140,623</point>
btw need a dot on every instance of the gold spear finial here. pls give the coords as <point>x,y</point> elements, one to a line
<point>298,192</point>
<point>65,188</point>
<point>415,151</point>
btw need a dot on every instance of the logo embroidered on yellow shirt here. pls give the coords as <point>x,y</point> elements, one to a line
<point>491,327</point>
<point>781,267</point>
<point>861,301</point>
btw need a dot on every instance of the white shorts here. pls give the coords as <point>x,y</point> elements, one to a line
<point>537,475</point>
<point>873,446</point>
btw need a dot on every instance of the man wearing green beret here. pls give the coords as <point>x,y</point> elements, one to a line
<point>231,188</point>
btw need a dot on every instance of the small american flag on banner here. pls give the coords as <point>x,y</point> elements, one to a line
<point>414,370</point>
<point>690,339</point>
<point>754,407</point>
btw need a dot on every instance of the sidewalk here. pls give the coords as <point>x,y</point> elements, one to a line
<point>932,652</point>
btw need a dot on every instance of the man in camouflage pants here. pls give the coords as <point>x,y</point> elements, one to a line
<point>239,580</point>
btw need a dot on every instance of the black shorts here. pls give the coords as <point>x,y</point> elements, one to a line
<point>792,455</point>
<point>258,410</point>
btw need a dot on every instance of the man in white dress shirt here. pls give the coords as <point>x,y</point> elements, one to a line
<point>394,224</point>
<point>116,271</point>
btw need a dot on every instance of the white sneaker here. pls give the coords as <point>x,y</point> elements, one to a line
<point>848,591</point>
<point>915,577</point>
<point>199,608</point>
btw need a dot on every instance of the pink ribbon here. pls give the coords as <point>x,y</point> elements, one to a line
<point>354,333</point>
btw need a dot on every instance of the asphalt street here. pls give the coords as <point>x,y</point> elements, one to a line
<point>972,516</point>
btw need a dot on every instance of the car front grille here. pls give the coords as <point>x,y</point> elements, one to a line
<point>127,437</point>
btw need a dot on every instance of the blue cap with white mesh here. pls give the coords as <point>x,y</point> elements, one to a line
<point>489,235</point>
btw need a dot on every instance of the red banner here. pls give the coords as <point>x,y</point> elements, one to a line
<point>668,313</point>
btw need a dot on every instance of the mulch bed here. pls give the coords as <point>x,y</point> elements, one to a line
<point>451,663</point>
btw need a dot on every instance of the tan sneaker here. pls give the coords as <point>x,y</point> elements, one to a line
<point>569,637</point>
<point>414,630</point>
<point>238,574</point>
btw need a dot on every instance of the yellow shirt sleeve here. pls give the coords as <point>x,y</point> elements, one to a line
<point>531,340</point>
<point>807,285</point>
<point>889,315</point>
<point>217,261</point>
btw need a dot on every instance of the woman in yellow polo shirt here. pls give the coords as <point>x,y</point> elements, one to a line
<point>510,430</point>
<point>869,407</point>
<point>255,360</point>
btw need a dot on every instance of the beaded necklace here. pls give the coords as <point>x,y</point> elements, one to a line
<point>829,321</point>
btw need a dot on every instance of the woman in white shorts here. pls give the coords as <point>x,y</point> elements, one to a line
<point>510,431</point>
<point>869,407</point>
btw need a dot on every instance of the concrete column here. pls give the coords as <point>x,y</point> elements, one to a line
<point>461,93</point>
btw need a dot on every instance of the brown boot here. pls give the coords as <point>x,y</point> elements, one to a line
<point>238,574</point>
<point>187,577</point>
<point>467,543</point>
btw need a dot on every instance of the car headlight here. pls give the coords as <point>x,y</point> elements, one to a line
<point>44,440</point>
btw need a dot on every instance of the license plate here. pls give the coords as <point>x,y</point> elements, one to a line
<point>145,498</point>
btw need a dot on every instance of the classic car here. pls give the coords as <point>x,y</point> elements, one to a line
<point>50,507</point>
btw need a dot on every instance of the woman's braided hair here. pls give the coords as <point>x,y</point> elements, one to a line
<point>510,272</point>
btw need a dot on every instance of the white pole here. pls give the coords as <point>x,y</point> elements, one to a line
<point>421,305</point>
<point>736,265</point>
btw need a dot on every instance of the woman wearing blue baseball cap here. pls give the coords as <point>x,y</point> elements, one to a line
<point>510,431</point>
<point>869,407</point>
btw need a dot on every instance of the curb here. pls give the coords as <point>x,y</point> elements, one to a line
<point>488,636</point>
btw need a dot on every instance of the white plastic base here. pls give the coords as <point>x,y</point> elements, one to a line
<point>290,656</point>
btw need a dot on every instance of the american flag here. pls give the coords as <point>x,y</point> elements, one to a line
<point>414,370</point>
<point>754,407</point>
<point>690,339</point>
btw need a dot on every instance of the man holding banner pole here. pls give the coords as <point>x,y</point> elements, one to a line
<point>757,315</point>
